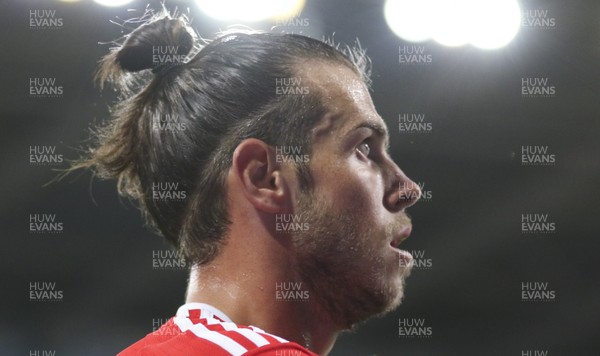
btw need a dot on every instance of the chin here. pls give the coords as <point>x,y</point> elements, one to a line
<point>396,298</point>
<point>382,297</point>
<point>393,290</point>
<point>383,304</point>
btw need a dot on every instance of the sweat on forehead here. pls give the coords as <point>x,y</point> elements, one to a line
<point>333,81</point>
<point>342,93</point>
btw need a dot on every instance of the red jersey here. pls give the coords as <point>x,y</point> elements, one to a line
<point>200,329</point>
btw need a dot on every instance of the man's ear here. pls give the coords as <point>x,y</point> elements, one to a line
<point>259,175</point>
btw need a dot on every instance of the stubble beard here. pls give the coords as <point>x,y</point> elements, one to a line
<point>342,266</point>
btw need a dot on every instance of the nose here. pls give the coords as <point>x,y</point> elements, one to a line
<point>403,192</point>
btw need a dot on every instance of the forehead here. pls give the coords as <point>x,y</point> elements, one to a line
<point>344,95</point>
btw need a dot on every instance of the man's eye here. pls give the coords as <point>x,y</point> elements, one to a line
<point>365,149</point>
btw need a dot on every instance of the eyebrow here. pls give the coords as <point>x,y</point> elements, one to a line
<point>379,130</point>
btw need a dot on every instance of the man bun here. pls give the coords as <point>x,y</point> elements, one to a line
<point>139,50</point>
<point>161,43</point>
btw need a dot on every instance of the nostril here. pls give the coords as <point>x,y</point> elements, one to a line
<point>404,192</point>
<point>409,193</point>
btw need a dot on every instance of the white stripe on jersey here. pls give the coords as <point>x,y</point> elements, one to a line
<point>282,340</point>
<point>253,336</point>
<point>210,315</point>
<point>216,338</point>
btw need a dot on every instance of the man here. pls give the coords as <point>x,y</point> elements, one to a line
<point>293,210</point>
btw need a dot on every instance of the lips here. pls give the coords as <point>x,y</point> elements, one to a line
<point>401,236</point>
<point>406,258</point>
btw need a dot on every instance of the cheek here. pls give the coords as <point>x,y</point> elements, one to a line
<point>359,193</point>
<point>350,185</point>
<point>364,187</point>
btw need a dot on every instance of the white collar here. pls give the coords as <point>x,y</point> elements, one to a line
<point>206,311</point>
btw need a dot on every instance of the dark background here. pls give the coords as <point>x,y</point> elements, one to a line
<point>470,161</point>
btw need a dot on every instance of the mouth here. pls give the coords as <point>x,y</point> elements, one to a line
<point>405,257</point>
<point>401,236</point>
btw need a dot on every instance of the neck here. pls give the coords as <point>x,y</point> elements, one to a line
<point>250,281</point>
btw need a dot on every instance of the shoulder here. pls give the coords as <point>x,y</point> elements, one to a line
<point>177,337</point>
<point>239,340</point>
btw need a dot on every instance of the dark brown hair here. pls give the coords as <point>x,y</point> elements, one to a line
<point>215,95</point>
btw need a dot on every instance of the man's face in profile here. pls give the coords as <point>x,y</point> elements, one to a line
<point>355,210</point>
